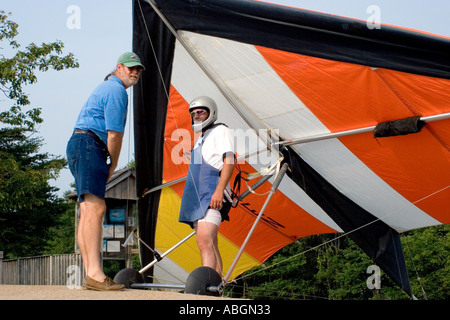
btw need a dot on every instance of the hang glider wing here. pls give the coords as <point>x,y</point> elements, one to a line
<point>312,87</point>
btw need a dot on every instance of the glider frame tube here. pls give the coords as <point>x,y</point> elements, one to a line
<point>274,187</point>
<point>151,264</point>
<point>160,257</point>
<point>181,179</point>
<point>351,132</point>
<point>157,286</point>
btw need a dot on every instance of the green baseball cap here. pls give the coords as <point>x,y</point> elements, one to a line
<point>130,59</point>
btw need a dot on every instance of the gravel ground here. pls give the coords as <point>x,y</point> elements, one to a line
<point>24,292</point>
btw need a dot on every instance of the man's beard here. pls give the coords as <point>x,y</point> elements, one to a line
<point>131,81</point>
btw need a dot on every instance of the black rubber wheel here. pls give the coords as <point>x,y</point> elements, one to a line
<point>200,279</point>
<point>128,276</point>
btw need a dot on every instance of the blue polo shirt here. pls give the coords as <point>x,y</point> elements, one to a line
<point>105,109</point>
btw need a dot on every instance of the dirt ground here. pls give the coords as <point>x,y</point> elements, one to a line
<point>24,292</point>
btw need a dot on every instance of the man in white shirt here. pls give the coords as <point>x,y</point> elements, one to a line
<point>210,170</point>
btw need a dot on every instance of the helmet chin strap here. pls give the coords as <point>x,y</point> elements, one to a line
<point>198,127</point>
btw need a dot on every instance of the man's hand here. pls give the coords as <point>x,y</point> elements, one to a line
<point>217,200</point>
<point>114,145</point>
<point>111,171</point>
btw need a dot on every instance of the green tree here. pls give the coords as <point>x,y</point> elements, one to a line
<point>289,274</point>
<point>428,261</point>
<point>28,204</point>
<point>62,235</point>
<point>332,267</point>
<point>20,70</point>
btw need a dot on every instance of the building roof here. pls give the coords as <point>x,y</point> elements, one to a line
<point>122,185</point>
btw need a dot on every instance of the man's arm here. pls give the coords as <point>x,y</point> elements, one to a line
<point>225,176</point>
<point>114,145</point>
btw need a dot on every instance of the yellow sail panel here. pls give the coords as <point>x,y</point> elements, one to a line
<point>169,232</point>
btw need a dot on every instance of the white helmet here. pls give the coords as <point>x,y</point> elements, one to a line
<point>207,103</point>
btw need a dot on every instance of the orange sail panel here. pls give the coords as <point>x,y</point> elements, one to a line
<point>345,96</point>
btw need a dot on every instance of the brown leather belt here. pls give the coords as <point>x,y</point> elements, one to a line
<point>93,135</point>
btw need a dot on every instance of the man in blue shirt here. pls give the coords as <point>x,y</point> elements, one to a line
<point>98,136</point>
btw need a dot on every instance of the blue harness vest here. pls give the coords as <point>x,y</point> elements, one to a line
<point>201,182</point>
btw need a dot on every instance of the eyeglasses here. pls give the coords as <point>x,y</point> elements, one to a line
<point>198,112</point>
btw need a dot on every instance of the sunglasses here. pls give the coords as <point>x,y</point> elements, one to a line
<point>198,112</point>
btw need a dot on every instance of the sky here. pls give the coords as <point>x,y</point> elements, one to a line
<point>98,31</point>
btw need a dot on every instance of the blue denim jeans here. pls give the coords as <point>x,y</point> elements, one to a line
<point>87,163</point>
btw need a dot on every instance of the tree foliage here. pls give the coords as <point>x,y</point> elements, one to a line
<point>28,204</point>
<point>333,267</point>
<point>21,69</point>
<point>29,207</point>
<point>61,238</point>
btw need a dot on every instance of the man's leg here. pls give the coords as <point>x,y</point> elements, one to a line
<point>93,209</point>
<point>207,243</point>
<point>219,266</point>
